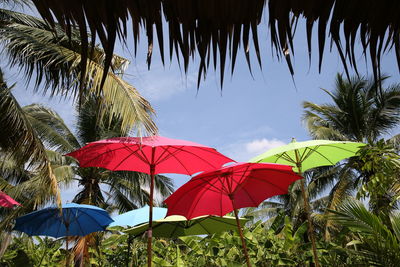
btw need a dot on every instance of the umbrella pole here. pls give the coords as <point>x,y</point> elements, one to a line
<point>310,226</point>
<point>150,230</point>
<point>241,237</point>
<point>66,247</point>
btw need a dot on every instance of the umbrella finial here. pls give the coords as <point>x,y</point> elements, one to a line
<point>293,140</point>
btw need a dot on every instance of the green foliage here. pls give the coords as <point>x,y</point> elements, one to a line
<point>25,251</point>
<point>373,241</point>
<point>287,248</point>
<point>380,165</point>
<point>54,57</point>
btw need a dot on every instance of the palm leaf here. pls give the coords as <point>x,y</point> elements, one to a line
<point>33,45</point>
<point>19,139</point>
<point>51,128</point>
<point>379,246</point>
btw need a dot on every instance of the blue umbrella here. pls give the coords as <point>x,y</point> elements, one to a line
<point>74,220</point>
<point>138,216</point>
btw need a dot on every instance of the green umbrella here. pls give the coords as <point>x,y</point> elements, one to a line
<point>310,154</point>
<point>175,226</point>
<point>306,155</point>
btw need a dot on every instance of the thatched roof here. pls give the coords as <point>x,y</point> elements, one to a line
<point>216,29</point>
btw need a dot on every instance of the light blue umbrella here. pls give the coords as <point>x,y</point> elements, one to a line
<point>138,216</point>
<point>135,218</point>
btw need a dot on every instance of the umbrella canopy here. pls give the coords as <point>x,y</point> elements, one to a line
<point>138,216</point>
<point>232,187</point>
<point>175,226</point>
<point>306,155</point>
<point>310,154</point>
<point>75,220</point>
<point>7,201</point>
<point>152,155</point>
<point>165,155</point>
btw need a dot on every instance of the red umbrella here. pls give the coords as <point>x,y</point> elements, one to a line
<point>7,201</point>
<point>230,188</point>
<point>151,155</point>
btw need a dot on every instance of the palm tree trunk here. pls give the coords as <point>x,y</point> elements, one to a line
<point>310,226</point>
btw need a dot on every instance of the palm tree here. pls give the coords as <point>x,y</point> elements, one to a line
<point>23,155</point>
<point>52,56</point>
<point>217,30</point>
<point>361,111</point>
<point>125,188</point>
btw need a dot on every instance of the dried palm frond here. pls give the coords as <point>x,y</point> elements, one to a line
<point>215,29</point>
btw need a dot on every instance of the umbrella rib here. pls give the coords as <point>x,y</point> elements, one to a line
<point>48,215</point>
<point>59,226</point>
<point>172,154</point>
<point>173,232</point>
<point>43,221</point>
<point>99,154</point>
<point>286,157</point>
<point>133,152</point>
<point>262,180</point>
<point>338,147</point>
<point>199,197</point>
<point>304,154</point>
<point>316,151</point>
<point>219,219</point>
<point>160,158</point>
<point>76,220</point>
<point>245,190</point>
<point>199,223</point>
<point>217,179</point>
<point>208,150</point>
<point>243,175</point>
<point>82,210</point>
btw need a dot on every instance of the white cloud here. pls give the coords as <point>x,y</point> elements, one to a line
<point>261,145</point>
<point>245,150</point>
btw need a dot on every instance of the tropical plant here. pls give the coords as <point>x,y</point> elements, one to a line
<point>287,248</point>
<point>379,167</point>
<point>373,241</point>
<point>362,111</point>
<point>36,251</point>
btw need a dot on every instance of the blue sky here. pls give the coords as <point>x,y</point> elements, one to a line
<point>249,115</point>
